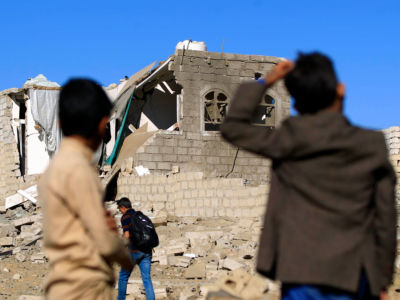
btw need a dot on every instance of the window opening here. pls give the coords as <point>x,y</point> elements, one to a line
<point>265,112</point>
<point>21,137</point>
<point>215,107</point>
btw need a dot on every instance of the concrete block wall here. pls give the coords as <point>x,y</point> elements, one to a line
<point>392,136</point>
<point>199,72</point>
<point>395,160</point>
<point>197,152</point>
<point>10,175</point>
<point>190,194</point>
<point>193,148</point>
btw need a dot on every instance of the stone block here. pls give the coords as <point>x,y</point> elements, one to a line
<point>179,261</point>
<point>20,257</point>
<point>231,264</point>
<point>194,151</point>
<point>176,249</point>
<point>160,293</point>
<point>209,212</point>
<point>30,297</point>
<point>170,157</point>
<point>166,150</point>
<point>193,136</point>
<point>38,258</point>
<point>164,166</point>
<point>197,270</point>
<point>14,200</point>
<point>7,241</point>
<point>133,289</point>
<point>185,143</point>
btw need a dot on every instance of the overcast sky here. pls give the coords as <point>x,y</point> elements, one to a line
<point>106,40</point>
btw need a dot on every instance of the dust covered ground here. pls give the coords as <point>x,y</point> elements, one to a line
<point>193,257</point>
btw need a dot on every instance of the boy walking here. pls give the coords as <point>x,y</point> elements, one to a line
<point>330,226</point>
<point>142,258</point>
<point>80,236</point>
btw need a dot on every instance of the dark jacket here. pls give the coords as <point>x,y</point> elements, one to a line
<point>331,209</point>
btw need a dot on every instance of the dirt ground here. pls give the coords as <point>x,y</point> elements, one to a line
<point>165,277</point>
<point>238,241</point>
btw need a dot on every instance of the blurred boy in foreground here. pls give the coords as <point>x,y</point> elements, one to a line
<point>80,236</point>
<point>330,225</point>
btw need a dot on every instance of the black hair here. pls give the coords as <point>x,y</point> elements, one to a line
<point>82,105</point>
<point>312,82</point>
<point>125,202</point>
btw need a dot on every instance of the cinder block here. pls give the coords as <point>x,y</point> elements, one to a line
<point>202,193</point>
<point>199,202</point>
<point>185,143</point>
<point>209,212</point>
<point>210,193</point>
<point>166,150</point>
<point>207,69</point>
<point>172,142</point>
<point>215,202</point>
<point>181,150</point>
<point>170,157</point>
<point>164,166</point>
<point>193,136</point>
<point>194,193</point>
<point>7,241</point>
<point>149,164</point>
<point>194,151</point>
<point>184,185</point>
<point>233,72</point>
<point>26,220</point>
<point>183,158</point>
<point>231,264</point>
<point>221,212</point>
<point>213,160</point>
<point>226,202</point>
<point>202,212</point>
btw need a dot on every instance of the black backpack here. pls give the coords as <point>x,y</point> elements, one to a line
<point>142,233</point>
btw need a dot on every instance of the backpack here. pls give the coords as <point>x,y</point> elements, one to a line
<point>142,233</point>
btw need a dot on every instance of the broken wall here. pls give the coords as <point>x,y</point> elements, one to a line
<point>196,152</point>
<point>191,194</point>
<point>392,136</point>
<point>194,148</point>
<point>10,174</point>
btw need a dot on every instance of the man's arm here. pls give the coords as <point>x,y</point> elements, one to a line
<point>86,198</point>
<point>237,127</point>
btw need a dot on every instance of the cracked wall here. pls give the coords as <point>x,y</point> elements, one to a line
<point>192,148</point>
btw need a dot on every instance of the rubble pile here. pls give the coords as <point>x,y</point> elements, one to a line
<point>194,252</point>
<point>198,258</point>
<point>21,227</point>
<point>23,263</point>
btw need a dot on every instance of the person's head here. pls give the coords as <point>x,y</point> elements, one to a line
<point>84,109</point>
<point>124,204</point>
<point>313,84</point>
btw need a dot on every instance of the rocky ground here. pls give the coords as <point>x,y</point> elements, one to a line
<point>195,257</point>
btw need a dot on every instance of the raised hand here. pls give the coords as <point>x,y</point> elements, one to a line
<point>278,72</point>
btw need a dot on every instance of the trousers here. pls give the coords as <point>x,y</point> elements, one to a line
<point>144,262</point>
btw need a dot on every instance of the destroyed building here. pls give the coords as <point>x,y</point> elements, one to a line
<point>183,102</point>
<point>206,197</point>
<point>29,132</point>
